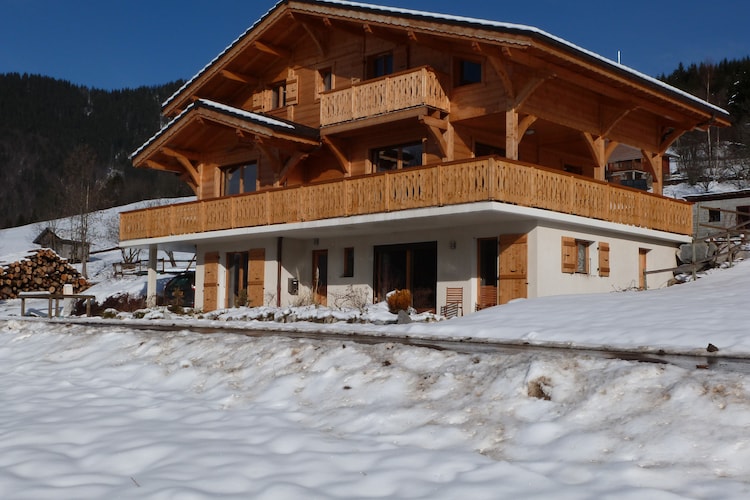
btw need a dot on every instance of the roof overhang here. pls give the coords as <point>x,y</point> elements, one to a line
<point>545,49</point>
<point>182,142</point>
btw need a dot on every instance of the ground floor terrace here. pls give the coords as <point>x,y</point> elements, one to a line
<point>454,259</point>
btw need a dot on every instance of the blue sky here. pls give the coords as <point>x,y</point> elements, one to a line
<point>116,43</point>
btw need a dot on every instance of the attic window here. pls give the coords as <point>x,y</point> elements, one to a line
<point>468,72</point>
<point>278,95</point>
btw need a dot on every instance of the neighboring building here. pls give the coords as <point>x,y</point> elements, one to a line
<point>67,249</point>
<point>341,150</point>
<point>627,166</point>
<point>713,212</point>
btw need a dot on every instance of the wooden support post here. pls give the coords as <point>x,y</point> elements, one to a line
<point>511,134</point>
<point>151,284</point>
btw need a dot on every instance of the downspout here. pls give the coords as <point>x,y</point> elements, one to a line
<point>279,248</point>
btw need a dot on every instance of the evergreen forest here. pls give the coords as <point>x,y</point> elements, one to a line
<point>46,125</point>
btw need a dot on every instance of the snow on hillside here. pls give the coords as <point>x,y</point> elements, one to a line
<point>114,412</point>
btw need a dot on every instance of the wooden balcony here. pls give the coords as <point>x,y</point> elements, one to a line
<point>481,179</point>
<point>396,92</point>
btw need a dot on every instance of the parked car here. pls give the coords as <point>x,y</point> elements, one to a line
<point>185,283</point>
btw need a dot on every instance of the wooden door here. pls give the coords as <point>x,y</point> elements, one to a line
<point>642,283</point>
<point>255,276</point>
<point>210,281</point>
<point>320,277</point>
<point>513,283</point>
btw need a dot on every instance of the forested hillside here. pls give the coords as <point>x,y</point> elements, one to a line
<point>720,154</point>
<point>46,124</point>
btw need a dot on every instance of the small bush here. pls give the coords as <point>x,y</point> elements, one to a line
<point>399,300</point>
<point>126,303</point>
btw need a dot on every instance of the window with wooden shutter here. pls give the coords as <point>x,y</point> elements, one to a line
<point>258,101</point>
<point>569,255</point>
<point>603,259</point>
<point>291,91</point>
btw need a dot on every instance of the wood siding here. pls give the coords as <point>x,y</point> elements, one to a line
<point>482,179</point>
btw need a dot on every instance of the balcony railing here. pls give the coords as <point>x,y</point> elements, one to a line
<point>396,92</point>
<point>481,179</point>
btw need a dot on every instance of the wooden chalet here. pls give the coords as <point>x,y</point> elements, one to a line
<point>340,150</point>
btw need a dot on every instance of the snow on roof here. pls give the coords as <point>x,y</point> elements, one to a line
<point>497,25</point>
<point>258,118</point>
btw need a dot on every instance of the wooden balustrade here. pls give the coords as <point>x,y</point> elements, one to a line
<point>395,92</point>
<point>467,181</point>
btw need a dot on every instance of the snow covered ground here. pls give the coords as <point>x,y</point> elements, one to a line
<point>114,412</point>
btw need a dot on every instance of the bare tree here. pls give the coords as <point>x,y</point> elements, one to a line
<point>80,191</point>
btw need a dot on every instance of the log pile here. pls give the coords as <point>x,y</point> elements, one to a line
<point>40,271</point>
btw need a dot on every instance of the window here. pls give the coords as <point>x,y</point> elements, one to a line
<point>468,72</point>
<point>278,95</point>
<point>714,215</point>
<point>240,179</point>
<point>348,262</point>
<point>575,256</point>
<point>397,157</point>
<point>324,80</point>
<point>380,65</point>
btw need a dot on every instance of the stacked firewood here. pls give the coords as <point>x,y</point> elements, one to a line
<point>40,271</point>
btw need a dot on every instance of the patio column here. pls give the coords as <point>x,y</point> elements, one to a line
<point>511,134</point>
<point>151,283</point>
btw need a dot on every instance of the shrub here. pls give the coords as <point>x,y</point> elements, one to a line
<point>127,303</point>
<point>399,300</point>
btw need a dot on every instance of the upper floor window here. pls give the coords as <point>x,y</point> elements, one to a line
<point>324,81</point>
<point>240,179</point>
<point>397,157</point>
<point>468,72</point>
<point>278,95</point>
<point>380,65</point>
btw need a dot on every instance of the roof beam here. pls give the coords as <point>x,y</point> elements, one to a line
<point>237,77</point>
<point>184,161</point>
<point>271,49</point>
<point>338,152</point>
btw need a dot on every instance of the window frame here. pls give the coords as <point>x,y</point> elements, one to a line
<point>348,263</point>
<point>323,80</point>
<point>242,178</point>
<point>278,95</point>
<point>463,76</point>
<point>399,149</point>
<point>375,69</point>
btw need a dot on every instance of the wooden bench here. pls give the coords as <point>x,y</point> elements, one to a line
<point>56,297</point>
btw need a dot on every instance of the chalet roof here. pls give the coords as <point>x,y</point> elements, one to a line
<point>727,195</point>
<point>255,122</point>
<point>444,22</point>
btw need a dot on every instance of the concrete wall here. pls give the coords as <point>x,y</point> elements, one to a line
<point>457,262</point>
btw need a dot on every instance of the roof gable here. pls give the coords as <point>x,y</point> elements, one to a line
<point>480,30</point>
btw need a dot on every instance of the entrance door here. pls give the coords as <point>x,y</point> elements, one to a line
<point>210,281</point>
<point>487,272</point>
<point>320,277</point>
<point>255,277</point>
<point>410,267</point>
<point>513,267</point>
<point>236,279</point>
<point>642,283</point>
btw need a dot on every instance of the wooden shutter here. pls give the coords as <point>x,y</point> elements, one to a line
<point>569,255</point>
<point>258,101</point>
<point>603,259</point>
<point>291,92</point>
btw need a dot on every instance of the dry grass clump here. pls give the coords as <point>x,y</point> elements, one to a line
<point>399,300</point>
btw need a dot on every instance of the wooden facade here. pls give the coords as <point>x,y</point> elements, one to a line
<point>328,109</point>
